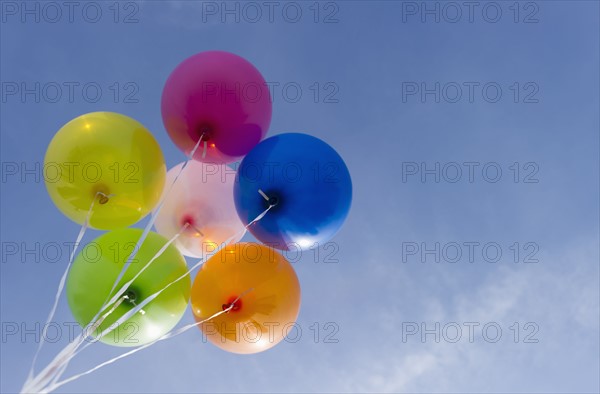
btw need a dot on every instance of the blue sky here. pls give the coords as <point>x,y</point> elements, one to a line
<point>378,288</point>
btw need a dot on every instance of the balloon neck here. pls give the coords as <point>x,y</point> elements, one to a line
<point>102,193</point>
<point>237,305</point>
<point>204,132</point>
<point>190,223</point>
<point>131,296</point>
<point>187,219</point>
<point>273,201</point>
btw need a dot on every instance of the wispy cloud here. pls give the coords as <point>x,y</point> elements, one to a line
<point>560,297</point>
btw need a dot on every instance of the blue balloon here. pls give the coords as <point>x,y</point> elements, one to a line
<point>305,180</point>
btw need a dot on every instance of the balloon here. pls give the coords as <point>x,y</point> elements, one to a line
<point>108,153</point>
<point>203,198</point>
<point>306,181</point>
<point>218,95</point>
<point>98,265</point>
<point>269,302</point>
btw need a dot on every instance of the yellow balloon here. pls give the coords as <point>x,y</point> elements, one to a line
<point>108,157</point>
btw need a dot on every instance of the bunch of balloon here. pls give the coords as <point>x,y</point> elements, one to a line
<point>207,100</point>
<point>204,100</point>
<point>109,174</point>
<point>106,171</point>
<point>253,283</point>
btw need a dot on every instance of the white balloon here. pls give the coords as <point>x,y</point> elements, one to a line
<point>203,198</point>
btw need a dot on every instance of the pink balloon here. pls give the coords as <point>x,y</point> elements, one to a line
<point>202,197</point>
<point>221,96</point>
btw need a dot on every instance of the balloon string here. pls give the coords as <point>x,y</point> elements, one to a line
<point>66,357</point>
<point>258,217</point>
<point>99,322</point>
<point>149,225</point>
<point>263,194</point>
<point>125,286</point>
<point>264,212</point>
<point>142,238</point>
<point>200,233</point>
<point>147,300</point>
<point>127,263</point>
<point>171,334</point>
<point>91,327</point>
<point>61,284</point>
<point>53,371</point>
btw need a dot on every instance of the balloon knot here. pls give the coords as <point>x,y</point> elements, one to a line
<point>204,131</point>
<point>130,296</point>
<point>101,192</point>
<point>187,219</point>
<point>237,305</point>
<point>273,201</point>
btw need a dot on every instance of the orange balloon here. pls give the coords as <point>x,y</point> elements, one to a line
<point>269,300</point>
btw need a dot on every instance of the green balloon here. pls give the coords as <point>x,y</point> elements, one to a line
<point>95,270</point>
